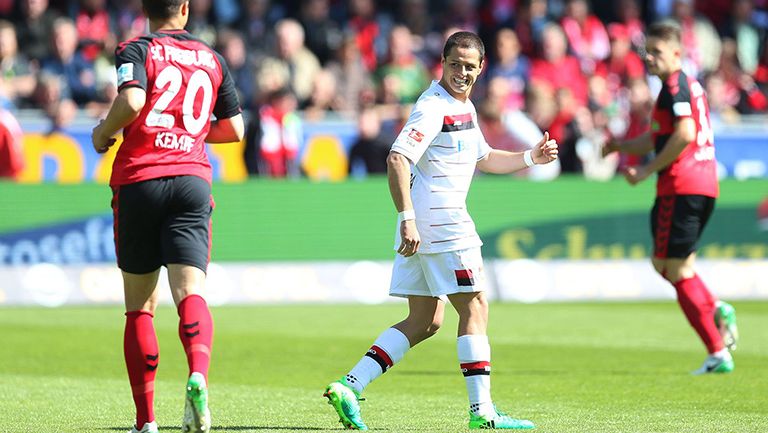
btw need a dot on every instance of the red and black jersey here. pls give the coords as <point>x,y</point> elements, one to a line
<point>695,169</point>
<point>186,81</point>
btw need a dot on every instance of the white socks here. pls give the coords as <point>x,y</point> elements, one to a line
<point>475,360</point>
<point>387,350</point>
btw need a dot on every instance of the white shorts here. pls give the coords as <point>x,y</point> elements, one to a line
<point>439,274</point>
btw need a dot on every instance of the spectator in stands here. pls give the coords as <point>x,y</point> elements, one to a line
<point>93,28</point>
<point>746,35</point>
<point>324,97</point>
<point>232,47</point>
<point>512,67</point>
<point>462,14</point>
<point>371,148</point>
<point>750,98</point>
<point>323,35</point>
<point>201,22</point>
<point>623,64</point>
<point>490,113</point>
<point>130,21</point>
<point>77,73</point>
<point>403,71</point>
<point>274,137</point>
<point>531,21</point>
<point>255,23</point>
<point>18,80</point>
<point>558,70</point>
<point>701,43</point>
<point>638,119</point>
<point>354,84</point>
<point>34,28</point>
<point>50,97</point>
<point>415,15</point>
<point>11,153</point>
<point>370,29</point>
<point>629,14</point>
<point>761,72</point>
<point>292,61</point>
<point>586,35</point>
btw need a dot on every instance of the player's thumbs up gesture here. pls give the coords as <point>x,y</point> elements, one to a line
<point>545,150</point>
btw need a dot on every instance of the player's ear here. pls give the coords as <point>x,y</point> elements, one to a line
<point>184,9</point>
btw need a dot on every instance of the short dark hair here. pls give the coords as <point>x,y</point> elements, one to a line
<point>161,9</point>
<point>464,40</point>
<point>665,30</point>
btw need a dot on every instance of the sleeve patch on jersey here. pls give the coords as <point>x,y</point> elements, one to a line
<point>682,109</point>
<point>124,73</point>
<point>415,135</point>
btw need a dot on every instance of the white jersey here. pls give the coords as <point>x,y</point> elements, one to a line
<point>443,142</point>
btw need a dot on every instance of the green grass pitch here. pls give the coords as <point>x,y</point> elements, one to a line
<point>583,367</point>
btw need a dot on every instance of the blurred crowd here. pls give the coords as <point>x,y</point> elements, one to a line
<point>572,67</point>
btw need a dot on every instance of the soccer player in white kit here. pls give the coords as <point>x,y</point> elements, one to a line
<point>430,168</point>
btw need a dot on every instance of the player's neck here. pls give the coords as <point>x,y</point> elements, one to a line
<point>170,24</point>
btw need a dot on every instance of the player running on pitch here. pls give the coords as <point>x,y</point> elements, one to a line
<point>686,190</point>
<point>169,84</point>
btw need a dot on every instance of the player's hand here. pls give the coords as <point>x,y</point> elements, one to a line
<point>410,238</point>
<point>635,175</point>
<point>609,147</point>
<point>101,143</point>
<point>545,150</point>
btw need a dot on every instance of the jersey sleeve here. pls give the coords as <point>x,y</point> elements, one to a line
<point>227,101</point>
<point>419,131</point>
<point>130,61</point>
<point>681,98</point>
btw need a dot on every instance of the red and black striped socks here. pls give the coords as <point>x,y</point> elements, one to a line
<point>141,358</point>
<point>698,305</point>
<point>196,333</point>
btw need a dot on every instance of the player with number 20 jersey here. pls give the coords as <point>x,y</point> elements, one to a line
<point>185,81</point>
<point>169,85</point>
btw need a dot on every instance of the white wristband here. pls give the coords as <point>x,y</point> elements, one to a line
<point>407,215</point>
<point>528,159</point>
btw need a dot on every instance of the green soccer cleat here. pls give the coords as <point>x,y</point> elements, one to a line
<point>499,420</point>
<point>345,400</point>
<point>725,319</point>
<point>150,427</point>
<point>716,364</point>
<point>197,417</point>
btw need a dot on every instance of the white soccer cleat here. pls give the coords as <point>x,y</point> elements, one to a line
<point>197,417</point>
<point>150,427</point>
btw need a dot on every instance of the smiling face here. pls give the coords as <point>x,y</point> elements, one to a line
<point>461,68</point>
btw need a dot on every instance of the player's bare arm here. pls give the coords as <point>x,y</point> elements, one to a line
<point>226,130</point>
<point>640,145</point>
<point>124,110</point>
<point>503,162</point>
<point>399,175</point>
<point>685,132</point>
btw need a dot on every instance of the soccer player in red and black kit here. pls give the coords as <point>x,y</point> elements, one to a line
<point>169,85</point>
<point>686,189</point>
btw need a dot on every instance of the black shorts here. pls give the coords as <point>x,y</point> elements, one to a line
<point>162,221</point>
<point>677,222</point>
